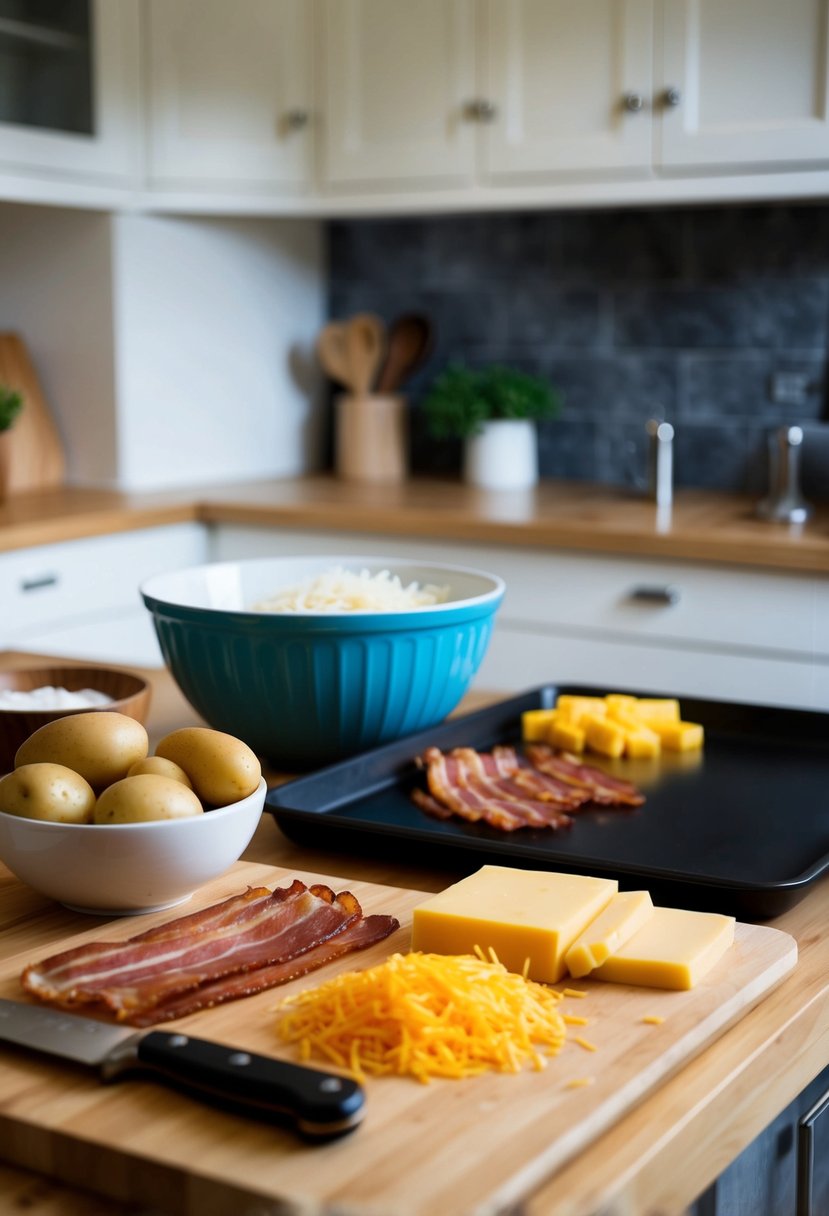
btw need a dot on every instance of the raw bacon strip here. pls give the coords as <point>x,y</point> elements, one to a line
<point>502,769</point>
<point>461,785</point>
<point>431,805</point>
<point>473,773</point>
<point>549,789</point>
<point>356,936</point>
<point>604,789</point>
<point>127,978</point>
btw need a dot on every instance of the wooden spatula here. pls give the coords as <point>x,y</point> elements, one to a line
<point>409,344</point>
<point>366,347</point>
<point>332,349</point>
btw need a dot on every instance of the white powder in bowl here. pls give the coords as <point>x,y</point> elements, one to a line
<point>341,590</point>
<point>48,697</point>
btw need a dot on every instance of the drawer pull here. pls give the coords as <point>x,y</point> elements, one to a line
<point>39,582</point>
<point>806,1157</point>
<point>667,594</point>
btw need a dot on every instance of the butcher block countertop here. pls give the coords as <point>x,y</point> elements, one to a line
<point>701,526</point>
<point>656,1159</point>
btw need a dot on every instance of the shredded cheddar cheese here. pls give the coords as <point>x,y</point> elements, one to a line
<point>573,992</point>
<point>586,1044</point>
<point>653,1019</point>
<point>579,1082</point>
<point>426,1015</point>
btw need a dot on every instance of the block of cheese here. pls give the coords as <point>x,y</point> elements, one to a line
<point>535,724</point>
<point>604,735</point>
<point>624,915</point>
<point>673,949</point>
<point>656,709</point>
<point>567,736</point>
<point>680,736</point>
<point>520,914</point>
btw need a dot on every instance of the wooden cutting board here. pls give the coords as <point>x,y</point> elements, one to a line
<point>450,1147</point>
<point>36,458</point>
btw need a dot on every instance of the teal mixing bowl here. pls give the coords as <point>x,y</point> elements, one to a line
<point>308,688</point>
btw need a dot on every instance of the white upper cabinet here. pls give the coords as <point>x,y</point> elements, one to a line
<point>743,84</point>
<point>398,79</point>
<point>230,100</point>
<point>69,91</point>
<point>568,86</point>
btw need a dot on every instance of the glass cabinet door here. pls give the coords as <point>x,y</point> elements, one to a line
<point>69,89</point>
<point>46,69</point>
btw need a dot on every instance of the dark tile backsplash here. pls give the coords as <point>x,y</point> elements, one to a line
<point>680,313</point>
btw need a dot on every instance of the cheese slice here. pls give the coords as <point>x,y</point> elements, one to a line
<point>526,916</point>
<point>624,915</point>
<point>673,949</point>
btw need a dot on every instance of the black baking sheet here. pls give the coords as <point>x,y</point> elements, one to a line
<point>741,827</point>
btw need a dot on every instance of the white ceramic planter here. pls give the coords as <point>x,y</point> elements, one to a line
<point>504,456</point>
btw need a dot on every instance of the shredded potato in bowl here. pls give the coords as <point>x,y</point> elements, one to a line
<point>342,590</point>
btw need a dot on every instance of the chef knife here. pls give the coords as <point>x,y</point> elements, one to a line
<point>322,1104</point>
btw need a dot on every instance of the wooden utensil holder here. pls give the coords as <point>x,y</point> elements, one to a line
<point>371,437</point>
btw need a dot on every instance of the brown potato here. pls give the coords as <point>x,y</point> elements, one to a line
<point>100,745</point>
<point>161,768</point>
<point>222,768</point>
<point>47,791</point>
<point>145,797</point>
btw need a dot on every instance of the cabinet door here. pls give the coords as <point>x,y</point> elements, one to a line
<point>569,85</point>
<point>399,80</point>
<point>744,83</point>
<point>69,80</point>
<point>230,92</point>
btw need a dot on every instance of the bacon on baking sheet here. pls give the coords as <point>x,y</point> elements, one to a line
<point>473,786</point>
<point>601,787</point>
<point>260,928</point>
<point>508,793</point>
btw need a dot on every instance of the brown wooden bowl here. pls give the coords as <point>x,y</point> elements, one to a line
<point>130,693</point>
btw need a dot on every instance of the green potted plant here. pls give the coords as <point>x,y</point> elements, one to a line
<point>11,403</point>
<point>494,410</point>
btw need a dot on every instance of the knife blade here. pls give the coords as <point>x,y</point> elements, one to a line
<point>322,1104</point>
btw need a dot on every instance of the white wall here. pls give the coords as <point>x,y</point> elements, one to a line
<point>56,292</point>
<point>215,321</point>
<point>171,350</point>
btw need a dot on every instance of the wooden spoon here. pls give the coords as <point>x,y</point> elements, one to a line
<point>365,345</point>
<point>332,348</point>
<point>410,342</point>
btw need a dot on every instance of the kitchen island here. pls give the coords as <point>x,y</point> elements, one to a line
<point>657,1159</point>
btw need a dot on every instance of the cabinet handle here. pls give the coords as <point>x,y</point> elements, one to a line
<point>667,595</point>
<point>806,1157</point>
<point>297,120</point>
<point>633,102</point>
<point>672,97</point>
<point>38,582</point>
<point>481,110</point>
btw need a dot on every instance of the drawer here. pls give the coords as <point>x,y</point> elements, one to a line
<point>593,595</point>
<point>518,658</point>
<point>125,636</point>
<point>55,584</point>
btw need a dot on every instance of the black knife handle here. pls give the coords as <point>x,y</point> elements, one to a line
<point>321,1103</point>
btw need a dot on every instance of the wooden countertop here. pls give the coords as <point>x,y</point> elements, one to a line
<point>702,525</point>
<point>656,1159</point>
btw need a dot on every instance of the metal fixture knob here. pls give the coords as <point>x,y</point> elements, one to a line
<point>634,102</point>
<point>482,110</point>
<point>672,96</point>
<point>297,120</point>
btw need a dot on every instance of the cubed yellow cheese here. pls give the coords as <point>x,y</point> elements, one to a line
<point>619,702</point>
<point>673,949</point>
<point>567,736</point>
<point>573,708</point>
<point>520,914</point>
<point>604,736</point>
<point>642,744</point>
<point>535,723</point>
<point>680,736</point>
<point>624,915</point>
<point>657,709</point>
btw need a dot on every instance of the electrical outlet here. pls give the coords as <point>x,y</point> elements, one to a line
<point>790,388</point>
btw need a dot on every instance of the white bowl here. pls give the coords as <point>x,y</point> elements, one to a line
<point>123,868</point>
